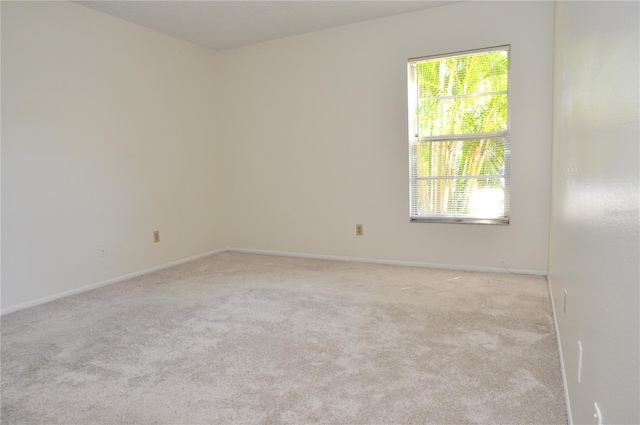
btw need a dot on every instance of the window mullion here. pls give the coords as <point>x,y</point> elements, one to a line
<point>473,176</point>
<point>467,136</point>
<point>463,96</point>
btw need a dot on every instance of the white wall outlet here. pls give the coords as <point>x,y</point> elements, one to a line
<point>102,250</point>
<point>579,361</point>
<point>156,236</point>
<point>359,229</point>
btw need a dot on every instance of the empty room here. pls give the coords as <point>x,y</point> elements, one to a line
<point>336,212</point>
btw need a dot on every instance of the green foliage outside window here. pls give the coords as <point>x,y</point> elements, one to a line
<point>460,144</point>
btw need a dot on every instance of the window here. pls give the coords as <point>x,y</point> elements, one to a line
<point>459,137</point>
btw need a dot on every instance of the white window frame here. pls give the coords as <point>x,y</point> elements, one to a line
<point>414,139</point>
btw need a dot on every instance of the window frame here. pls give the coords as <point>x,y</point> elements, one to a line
<point>414,140</point>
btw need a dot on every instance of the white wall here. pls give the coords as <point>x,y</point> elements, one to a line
<point>316,138</point>
<point>595,244</point>
<point>111,131</point>
<point>108,133</point>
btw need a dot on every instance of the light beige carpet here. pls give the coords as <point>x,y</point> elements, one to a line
<point>250,339</point>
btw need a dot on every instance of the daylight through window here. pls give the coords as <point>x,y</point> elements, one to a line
<point>459,137</point>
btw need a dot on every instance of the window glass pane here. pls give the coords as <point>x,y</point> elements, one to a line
<point>465,115</point>
<point>481,198</point>
<point>463,94</point>
<point>460,158</point>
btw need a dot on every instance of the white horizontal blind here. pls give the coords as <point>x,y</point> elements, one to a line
<point>459,136</point>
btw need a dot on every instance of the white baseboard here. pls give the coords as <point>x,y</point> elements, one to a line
<point>266,252</point>
<point>104,283</point>
<point>562,369</point>
<point>391,262</point>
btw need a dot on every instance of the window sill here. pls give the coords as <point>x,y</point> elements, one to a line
<point>457,220</point>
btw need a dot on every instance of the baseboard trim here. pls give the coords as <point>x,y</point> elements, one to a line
<point>86,288</point>
<point>562,369</point>
<point>389,262</point>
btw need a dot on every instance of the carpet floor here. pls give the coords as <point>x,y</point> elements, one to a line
<point>250,339</point>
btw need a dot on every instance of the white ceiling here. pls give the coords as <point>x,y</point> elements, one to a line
<point>221,25</point>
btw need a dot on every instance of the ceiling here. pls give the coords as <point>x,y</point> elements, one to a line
<point>221,25</point>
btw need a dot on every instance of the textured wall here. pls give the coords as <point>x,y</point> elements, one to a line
<point>316,132</point>
<point>111,131</point>
<point>594,247</point>
<point>108,133</point>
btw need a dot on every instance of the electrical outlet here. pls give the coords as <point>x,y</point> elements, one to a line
<point>566,300</point>
<point>156,236</point>
<point>102,250</point>
<point>359,229</point>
